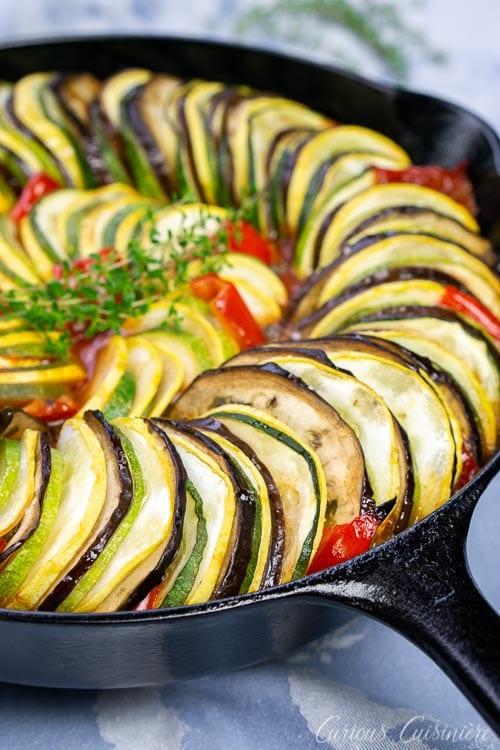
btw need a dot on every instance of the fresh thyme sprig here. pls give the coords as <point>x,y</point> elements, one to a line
<point>379,25</point>
<point>100,294</point>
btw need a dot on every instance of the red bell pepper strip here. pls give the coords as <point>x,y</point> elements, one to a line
<point>3,544</point>
<point>52,410</point>
<point>148,602</point>
<point>242,237</point>
<point>452,182</point>
<point>343,541</point>
<point>468,305</point>
<point>228,306</point>
<point>470,467</point>
<point>38,185</point>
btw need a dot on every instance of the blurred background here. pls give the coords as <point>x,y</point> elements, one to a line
<point>446,47</point>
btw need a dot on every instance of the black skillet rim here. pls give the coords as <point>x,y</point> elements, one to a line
<point>304,587</point>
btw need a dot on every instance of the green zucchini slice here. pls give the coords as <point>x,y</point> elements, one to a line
<point>298,474</point>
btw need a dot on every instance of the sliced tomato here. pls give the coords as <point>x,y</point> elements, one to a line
<point>468,305</point>
<point>38,185</point>
<point>343,541</point>
<point>3,544</point>
<point>453,182</point>
<point>52,410</point>
<point>228,306</point>
<point>242,237</point>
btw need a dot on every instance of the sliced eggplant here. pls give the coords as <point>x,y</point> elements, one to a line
<point>272,390</point>
<point>384,447</point>
<point>148,115</point>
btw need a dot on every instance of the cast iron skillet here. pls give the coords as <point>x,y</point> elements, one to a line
<point>418,582</point>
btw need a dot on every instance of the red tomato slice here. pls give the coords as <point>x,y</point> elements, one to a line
<point>343,541</point>
<point>242,237</point>
<point>37,186</point>
<point>228,306</point>
<point>453,182</point>
<point>52,410</point>
<point>468,305</point>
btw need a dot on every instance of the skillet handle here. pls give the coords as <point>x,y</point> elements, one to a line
<point>420,585</point>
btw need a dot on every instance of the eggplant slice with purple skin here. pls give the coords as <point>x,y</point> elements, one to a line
<point>385,450</point>
<point>271,389</point>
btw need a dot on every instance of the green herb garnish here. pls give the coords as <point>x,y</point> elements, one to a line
<point>100,293</point>
<point>377,24</point>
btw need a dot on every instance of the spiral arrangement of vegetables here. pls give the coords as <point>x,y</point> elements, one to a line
<point>239,342</point>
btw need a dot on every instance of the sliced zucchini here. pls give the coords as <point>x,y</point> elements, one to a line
<point>413,220</point>
<point>185,321</point>
<point>283,396</point>
<point>153,535</point>
<point>36,108</point>
<point>82,499</point>
<point>14,573</point>
<point>416,406</point>
<point>353,305</point>
<point>214,480</point>
<point>298,474</point>
<point>410,251</point>
<point>109,370</point>
<point>197,139</point>
<point>310,240</point>
<point>71,218</point>
<point>14,262</point>
<point>382,197</point>
<point>145,364</point>
<point>324,148</point>
<point>452,332</point>
<point>39,233</point>
<point>10,460</point>
<point>257,490</point>
<point>459,370</point>
<point>21,384</point>
<point>123,486</point>
<point>19,515</point>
